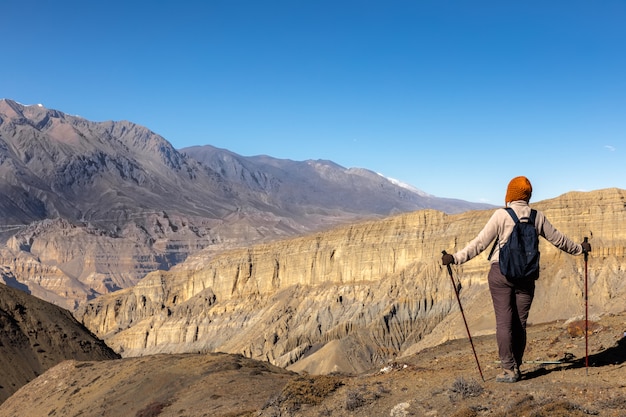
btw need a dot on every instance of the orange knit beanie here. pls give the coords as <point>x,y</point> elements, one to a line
<point>519,189</point>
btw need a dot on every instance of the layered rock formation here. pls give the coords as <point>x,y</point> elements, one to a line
<point>373,290</point>
<point>68,264</point>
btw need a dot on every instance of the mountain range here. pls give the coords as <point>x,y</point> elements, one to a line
<point>91,207</point>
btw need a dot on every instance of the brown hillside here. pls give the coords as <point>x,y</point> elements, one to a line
<point>35,336</point>
<point>439,381</point>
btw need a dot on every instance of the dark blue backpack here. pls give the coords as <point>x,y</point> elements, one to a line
<point>519,256</point>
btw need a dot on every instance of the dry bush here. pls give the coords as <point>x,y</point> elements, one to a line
<point>354,400</point>
<point>310,390</point>
<point>465,389</point>
<point>618,403</point>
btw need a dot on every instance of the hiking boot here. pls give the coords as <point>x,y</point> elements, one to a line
<point>508,376</point>
<point>518,373</point>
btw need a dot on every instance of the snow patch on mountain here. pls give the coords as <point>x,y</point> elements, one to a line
<point>405,185</point>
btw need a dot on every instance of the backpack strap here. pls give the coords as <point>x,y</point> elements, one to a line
<point>531,219</point>
<point>512,214</point>
<point>515,219</point>
<point>493,248</point>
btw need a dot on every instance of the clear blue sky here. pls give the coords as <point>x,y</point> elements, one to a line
<point>453,97</point>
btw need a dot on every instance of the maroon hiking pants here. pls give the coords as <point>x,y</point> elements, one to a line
<point>511,303</point>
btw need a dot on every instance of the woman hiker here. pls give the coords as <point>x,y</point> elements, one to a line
<point>512,300</point>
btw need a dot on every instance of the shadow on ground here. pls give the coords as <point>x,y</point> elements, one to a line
<point>615,355</point>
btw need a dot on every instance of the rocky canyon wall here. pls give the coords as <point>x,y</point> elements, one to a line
<point>353,297</point>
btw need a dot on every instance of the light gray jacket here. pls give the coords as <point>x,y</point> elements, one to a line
<point>501,224</point>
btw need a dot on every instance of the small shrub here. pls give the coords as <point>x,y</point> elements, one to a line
<point>303,390</point>
<point>354,400</point>
<point>465,389</point>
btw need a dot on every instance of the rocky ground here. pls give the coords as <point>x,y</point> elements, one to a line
<point>444,381</point>
<point>440,381</point>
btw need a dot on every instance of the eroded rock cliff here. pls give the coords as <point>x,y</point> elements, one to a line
<point>68,264</point>
<point>355,296</point>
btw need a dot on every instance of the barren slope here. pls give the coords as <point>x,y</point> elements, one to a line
<point>35,336</point>
<point>440,381</point>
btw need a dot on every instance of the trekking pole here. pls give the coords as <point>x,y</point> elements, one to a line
<point>456,292</point>
<point>586,256</point>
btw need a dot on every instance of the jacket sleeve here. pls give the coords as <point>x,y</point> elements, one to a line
<point>558,239</point>
<point>481,241</point>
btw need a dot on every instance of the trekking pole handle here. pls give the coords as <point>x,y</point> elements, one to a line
<point>449,267</point>
<point>586,254</point>
<point>458,285</point>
